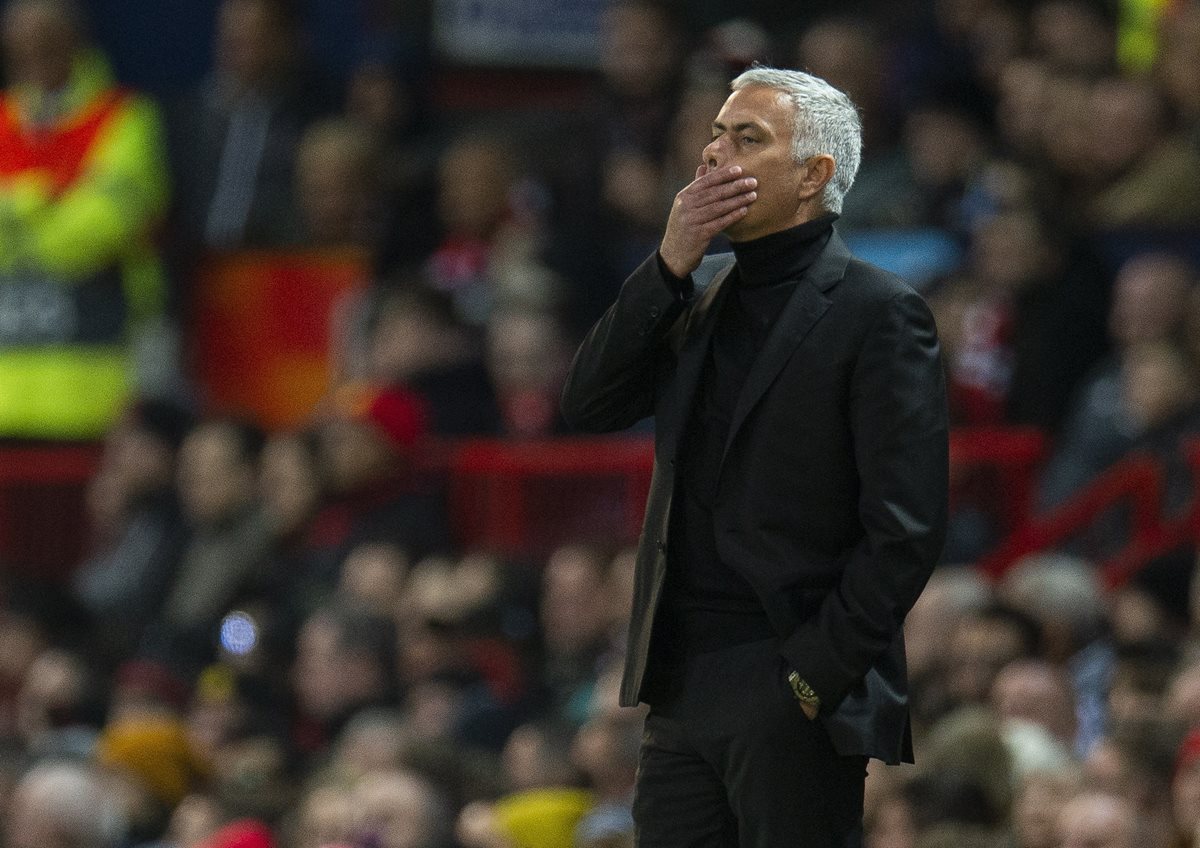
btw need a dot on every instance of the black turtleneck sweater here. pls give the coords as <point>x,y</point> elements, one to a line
<point>706,604</point>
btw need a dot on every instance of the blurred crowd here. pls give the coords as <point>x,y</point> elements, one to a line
<point>275,638</point>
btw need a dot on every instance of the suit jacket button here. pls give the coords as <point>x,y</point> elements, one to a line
<point>662,546</point>
<point>654,312</point>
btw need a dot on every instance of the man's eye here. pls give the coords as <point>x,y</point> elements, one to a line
<point>748,139</point>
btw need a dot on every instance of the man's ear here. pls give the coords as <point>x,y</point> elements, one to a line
<point>818,171</point>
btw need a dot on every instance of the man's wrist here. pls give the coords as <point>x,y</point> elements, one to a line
<point>681,287</point>
<point>803,692</point>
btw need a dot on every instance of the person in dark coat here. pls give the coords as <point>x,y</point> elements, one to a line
<point>799,497</point>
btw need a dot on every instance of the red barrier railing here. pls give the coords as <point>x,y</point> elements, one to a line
<point>524,498</point>
<point>42,510</point>
<point>1136,479</point>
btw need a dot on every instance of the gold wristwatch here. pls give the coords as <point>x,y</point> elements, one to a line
<point>803,692</point>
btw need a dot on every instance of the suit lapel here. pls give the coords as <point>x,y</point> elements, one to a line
<point>801,313</point>
<point>696,337</point>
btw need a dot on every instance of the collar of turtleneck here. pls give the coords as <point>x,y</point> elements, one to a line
<point>783,256</point>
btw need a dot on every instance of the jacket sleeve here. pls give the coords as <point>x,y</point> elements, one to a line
<point>899,426</point>
<point>120,196</point>
<point>611,382</point>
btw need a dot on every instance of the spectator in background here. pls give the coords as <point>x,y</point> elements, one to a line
<point>984,642</point>
<point>345,661</point>
<point>230,542</point>
<point>624,122</point>
<point>122,583</point>
<point>63,805</point>
<point>483,227</point>
<point>83,187</point>
<point>575,622</point>
<point>1035,691</point>
<point>606,751</point>
<point>1030,323</point>
<point>396,808</point>
<point>1148,175</point>
<point>542,807</point>
<point>1040,796</point>
<point>1148,301</point>
<point>849,53</point>
<point>415,339</point>
<point>235,137</point>
<point>1099,820</point>
<point>528,355</point>
<point>59,707</point>
<point>1065,596</point>
<point>368,448</point>
<point>1074,36</point>
<point>337,191</point>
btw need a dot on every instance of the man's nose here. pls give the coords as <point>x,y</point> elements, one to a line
<point>714,154</point>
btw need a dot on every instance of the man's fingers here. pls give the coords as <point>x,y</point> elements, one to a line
<point>724,191</point>
<point>723,207</point>
<point>715,176</point>
<point>701,171</point>
<point>725,220</point>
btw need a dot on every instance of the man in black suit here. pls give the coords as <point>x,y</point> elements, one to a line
<point>798,502</point>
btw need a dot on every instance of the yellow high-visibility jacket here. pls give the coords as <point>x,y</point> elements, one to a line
<point>81,196</point>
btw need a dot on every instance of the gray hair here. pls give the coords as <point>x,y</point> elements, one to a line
<point>826,121</point>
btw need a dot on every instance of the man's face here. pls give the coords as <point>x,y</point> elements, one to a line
<point>754,130</point>
<point>38,45</point>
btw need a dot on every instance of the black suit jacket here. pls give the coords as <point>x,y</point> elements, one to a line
<point>832,491</point>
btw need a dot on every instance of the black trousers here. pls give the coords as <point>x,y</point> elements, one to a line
<point>729,760</point>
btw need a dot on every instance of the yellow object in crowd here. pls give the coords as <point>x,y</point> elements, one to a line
<point>83,185</point>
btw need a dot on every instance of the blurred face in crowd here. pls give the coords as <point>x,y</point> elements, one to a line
<point>1158,383</point>
<point>289,483</point>
<point>142,461</point>
<point>215,479</point>
<point>531,759</point>
<point>1039,693</point>
<point>943,145</point>
<point>1010,252</point>
<point>327,677</point>
<point>846,55</point>
<point>253,41</point>
<point>979,648</point>
<point>527,357</point>
<point>638,49</point>
<point>1072,36</point>
<point>408,340</point>
<point>372,576</point>
<point>1097,820</point>
<point>1185,797</point>
<point>1021,111</point>
<point>51,690</point>
<point>754,129</point>
<point>633,187</point>
<point>1149,298</point>
<point>1040,796</point>
<point>1182,701</point>
<point>335,176</point>
<point>1127,122</point>
<point>354,454</point>
<point>376,98</point>
<point>326,816</point>
<point>394,809</point>
<point>474,180</point>
<point>575,609</point>
<point>39,40</point>
<point>1067,128</point>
